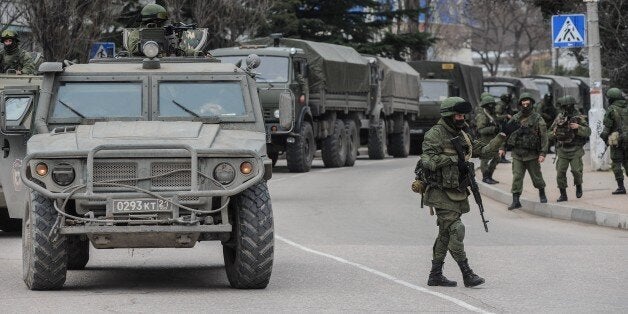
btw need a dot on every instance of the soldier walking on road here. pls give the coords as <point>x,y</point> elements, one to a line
<point>446,192</point>
<point>488,127</point>
<point>571,131</point>
<point>529,146</point>
<point>615,135</point>
<point>503,113</point>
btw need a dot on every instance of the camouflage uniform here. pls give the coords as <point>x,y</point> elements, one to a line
<point>487,127</point>
<point>569,145</point>
<point>616,120</point>
<point>15,58</point>
<point>445,194</point>
<point>502,109</point>
<point>528,143</point>
<point>548,112</point>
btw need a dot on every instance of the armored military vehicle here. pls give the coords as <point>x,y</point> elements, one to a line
<point>337,105</point>
<point>440,80</point>
<point>13,150</point>
<point>137,153</point>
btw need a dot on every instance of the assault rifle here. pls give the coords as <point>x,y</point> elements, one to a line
<point>468,175</point>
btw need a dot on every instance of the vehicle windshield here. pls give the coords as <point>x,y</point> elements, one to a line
<point>201,99</point>
<point>96,100</point>
<point>434,91</point>
<point>496,90</point>
<point>272,69</point>
<point>544,87</point>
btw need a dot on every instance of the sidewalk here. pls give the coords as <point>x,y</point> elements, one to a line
<point>597,205</point>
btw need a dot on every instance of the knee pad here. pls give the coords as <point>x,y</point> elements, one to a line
<point>458,229</point>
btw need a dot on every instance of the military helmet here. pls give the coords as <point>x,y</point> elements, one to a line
<point>454,105</point>
<point>566,101</point>
<point>614,93</point>
<point>9,34</point>
<point>152,12</point>
<point>487,100</point>
<point>526,96</point>
<point>505,97</point>
<point>484,94</point>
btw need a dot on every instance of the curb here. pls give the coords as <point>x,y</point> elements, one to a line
<point>594,217</point>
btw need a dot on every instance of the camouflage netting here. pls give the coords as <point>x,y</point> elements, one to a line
<point>400,79</point>
<point>470,78</point>
<point>334,68</point>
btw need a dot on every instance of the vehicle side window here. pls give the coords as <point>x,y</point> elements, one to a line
<point>16,107</point>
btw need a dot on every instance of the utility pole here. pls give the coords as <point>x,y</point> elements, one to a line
<point>599,160</point>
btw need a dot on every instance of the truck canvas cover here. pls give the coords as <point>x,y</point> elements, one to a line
<point>400,79</point>
<point>468,78</point>
<point>333,68</point>
<point>523,85</point>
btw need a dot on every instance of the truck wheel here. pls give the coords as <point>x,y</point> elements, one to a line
<point>8,224</point>
<point>300,154</point>
<point>44,257</point>
<point>377,140</point>
<point>399,146</point>
<point>334,150</point>
<point>353,142</point>
<point>249,253</point>
<point>78,252</point>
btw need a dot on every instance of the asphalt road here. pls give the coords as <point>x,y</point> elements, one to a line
<point>352,240</point>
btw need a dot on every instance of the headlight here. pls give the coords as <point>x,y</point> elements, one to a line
<point>150,49</point>
<point>246,167</point>
<point>63,174</point>
<point>224,173</point>
<point>276,114</point>
<point>41,169</point>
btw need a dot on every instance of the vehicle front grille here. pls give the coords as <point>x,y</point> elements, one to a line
<point>180,180</point>
<point>115,172</point>
<point>269,114</point>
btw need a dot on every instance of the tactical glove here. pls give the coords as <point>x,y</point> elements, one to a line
<point>418,186</point>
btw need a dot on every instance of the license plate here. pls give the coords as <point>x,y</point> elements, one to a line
<point>140,206</point>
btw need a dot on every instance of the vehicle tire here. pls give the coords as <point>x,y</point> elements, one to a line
<point>300,154</point>
<point>377,140</point>
<point>249,253</point>
<point>8,224</point>
<point>399,145</point>
<point>334,150</point>
<point>44,256</point>
<point>353,142</point>
<point>78,252</point>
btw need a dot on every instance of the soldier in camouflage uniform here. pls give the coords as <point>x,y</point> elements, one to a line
<point>503,113</point>
<point>615,135</point>
<point>571,131</point>
<point>444,192</point>
<point>548,112</point>
<point>13,57</point>
<point>529,146</point>
<point>488,127</point>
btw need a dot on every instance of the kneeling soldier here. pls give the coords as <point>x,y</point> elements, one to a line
<point>571,131</point>
<point>446,190</point>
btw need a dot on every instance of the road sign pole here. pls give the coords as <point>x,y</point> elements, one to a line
<point>599,160</point>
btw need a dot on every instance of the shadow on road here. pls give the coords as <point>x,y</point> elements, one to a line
<point>10,234</point>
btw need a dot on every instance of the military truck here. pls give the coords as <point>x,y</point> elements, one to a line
<point>338,106</point>
<point>440,80</point>
<point>139,153</point>
<point>13,151</point>
<point>515,86</point>
<point>554,87</point>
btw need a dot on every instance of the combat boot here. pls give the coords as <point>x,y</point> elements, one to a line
<point>620,188</point>
<point>488,178</point>
<point>504,160</point>
<point>436,276</point>
<point>542,197</point>
<point>470,279</point>
<point>515,202</point>
<point>563,195</point>
<point>579,190</point>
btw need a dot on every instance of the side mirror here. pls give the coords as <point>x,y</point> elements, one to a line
<point>286,110</point>
<point>14,113</point>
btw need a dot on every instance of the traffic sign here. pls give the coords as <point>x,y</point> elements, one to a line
<point>569,31</point>
<point>102,50</point>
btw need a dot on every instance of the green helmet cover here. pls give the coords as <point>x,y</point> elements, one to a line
<point>484,94</point>
<point>153,12</point>
<point>614,93</point>
<point>454,105</point>
<point>486,100</point>
<point>566,100</point>
<point>9,34</point>
<point>526,96</point>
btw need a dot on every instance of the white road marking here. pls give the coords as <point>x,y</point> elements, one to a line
<point>458,302</point>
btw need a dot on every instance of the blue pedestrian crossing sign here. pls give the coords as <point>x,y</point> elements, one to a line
<point>102,50</point>
<point>569,31</point>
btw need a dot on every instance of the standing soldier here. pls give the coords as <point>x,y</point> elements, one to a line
<point>446,192</point>
<point>487,126</point>
<point>548,112</point>
<point>529,146</point>
<point>13,57</point>
<point>615,135</point>
<point>503,113</point>
<point>571,131</point>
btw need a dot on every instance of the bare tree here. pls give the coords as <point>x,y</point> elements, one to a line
<point>451,35</point>
<point>10,14</point>
<point>229,20</point>
<point>65,29</point>
<point>614,39</point>
<point>529,33</point>
<point>176,9</point>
